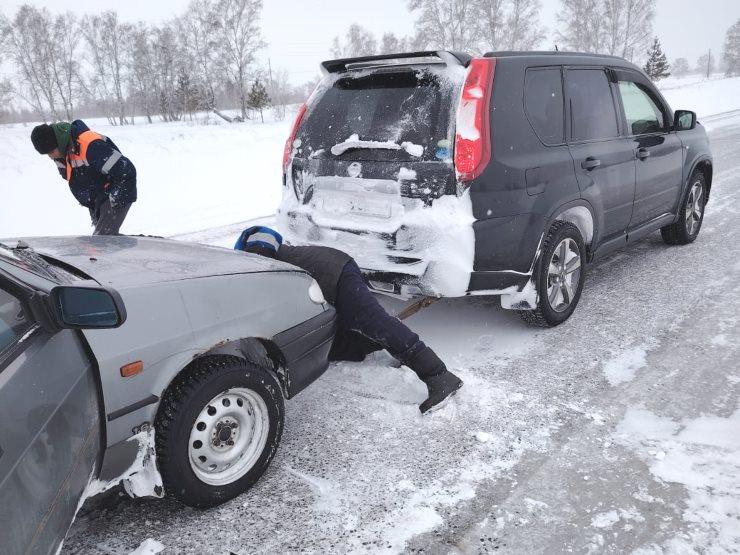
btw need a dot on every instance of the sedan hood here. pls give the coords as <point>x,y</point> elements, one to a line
<point>125,261</point>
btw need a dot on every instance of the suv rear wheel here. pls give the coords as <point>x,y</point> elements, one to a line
<point>558,276</point>
<point>690,215</point>
<point>217,429</point>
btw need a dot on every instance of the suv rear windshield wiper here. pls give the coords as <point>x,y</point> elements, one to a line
<point>354,143</point>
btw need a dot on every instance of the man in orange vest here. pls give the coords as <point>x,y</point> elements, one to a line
<point>99,176</point>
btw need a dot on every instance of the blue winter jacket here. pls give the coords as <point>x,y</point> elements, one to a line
<point>98,171</point>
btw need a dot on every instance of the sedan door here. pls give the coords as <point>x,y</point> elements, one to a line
<point>50,436</point>
<point>604,161</point>
<point>658,150</point>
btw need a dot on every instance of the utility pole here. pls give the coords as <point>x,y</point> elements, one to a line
<point>709,63</point>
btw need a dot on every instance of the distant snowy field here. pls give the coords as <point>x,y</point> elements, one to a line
<point>190,177</point>
<point>195,177</point>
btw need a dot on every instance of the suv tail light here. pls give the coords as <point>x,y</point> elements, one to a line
<point>291,138</point>
<point>473,133</point>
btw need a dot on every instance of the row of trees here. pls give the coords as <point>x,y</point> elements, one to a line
<point>205,59</point>
<point>618,27</point>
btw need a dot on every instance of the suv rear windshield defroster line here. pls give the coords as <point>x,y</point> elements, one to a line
<point>401,106</point>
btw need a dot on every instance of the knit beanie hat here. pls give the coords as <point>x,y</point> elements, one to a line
<point>259,239</point>
<point>43,138</point>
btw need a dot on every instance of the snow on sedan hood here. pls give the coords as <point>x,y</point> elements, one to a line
<point>125,261</point>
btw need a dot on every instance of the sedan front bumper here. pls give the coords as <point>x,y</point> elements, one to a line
<point>305,349</point>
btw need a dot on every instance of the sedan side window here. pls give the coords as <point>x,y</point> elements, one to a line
<point>642,112</point>
<point>13,321</point>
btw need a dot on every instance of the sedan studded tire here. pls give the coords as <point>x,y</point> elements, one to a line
<point>558,276</point>
<point>217,430</point>
<point>690,215</point>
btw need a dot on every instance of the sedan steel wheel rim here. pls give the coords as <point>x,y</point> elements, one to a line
<point>694,208</point>
<point>563,275</point>
<point>228,436</point>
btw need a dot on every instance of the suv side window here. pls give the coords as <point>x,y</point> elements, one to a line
<point>642,112</point>
<point>13,321</point>
<point>543,102</point>
<point>592,112</point>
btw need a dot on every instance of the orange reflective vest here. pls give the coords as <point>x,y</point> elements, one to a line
<point>75,160</point>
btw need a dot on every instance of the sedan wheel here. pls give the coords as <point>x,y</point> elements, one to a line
<point>217,429</point>
<point>228,436</point>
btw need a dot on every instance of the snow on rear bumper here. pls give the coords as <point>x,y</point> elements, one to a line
<point>428,251</point>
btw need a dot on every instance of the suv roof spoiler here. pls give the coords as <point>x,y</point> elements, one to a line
<point>428,57</point>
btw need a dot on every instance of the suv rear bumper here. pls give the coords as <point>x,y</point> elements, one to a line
<point>392,265</point>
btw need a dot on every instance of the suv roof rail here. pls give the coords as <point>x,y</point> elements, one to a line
<point>407,58</point>
<point>505,53</point>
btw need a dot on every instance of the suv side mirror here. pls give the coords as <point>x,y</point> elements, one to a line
<point>684,120</point>
<point>80,307</point>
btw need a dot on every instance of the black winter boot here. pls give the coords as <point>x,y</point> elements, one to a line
<point>441,383</point>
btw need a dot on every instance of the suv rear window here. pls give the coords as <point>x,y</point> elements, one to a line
<point>400,106</point>
<point>592,112</point>
<point>543,101</point>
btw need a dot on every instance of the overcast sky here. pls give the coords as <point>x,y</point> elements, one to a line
<point>299,32</point>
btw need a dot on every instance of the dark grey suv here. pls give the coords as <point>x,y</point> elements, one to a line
<point>447,175</point>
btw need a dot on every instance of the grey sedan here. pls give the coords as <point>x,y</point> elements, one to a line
<point>153,363</point>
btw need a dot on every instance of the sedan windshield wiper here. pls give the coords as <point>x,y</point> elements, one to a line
<point>23,252</point>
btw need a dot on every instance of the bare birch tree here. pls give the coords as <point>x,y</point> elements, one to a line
<point>491,24</point>
<point>358,41</point>
<point>142,80</point>
<point>31,49</point>
<point>199,35</point>
<point>731,54</point>
<point>392,44</point>
<point>582,25</point>
<point>238,24</point>
<point>617,27</point>
<point>108,43</point>
<point>448,24</point>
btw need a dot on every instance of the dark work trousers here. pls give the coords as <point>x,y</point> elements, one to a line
<point>363,326</point>
<point>110,218</point>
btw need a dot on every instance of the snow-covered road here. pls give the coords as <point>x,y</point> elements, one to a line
<point>619,430</point>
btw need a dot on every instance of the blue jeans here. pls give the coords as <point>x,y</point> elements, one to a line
<point>363,326</point>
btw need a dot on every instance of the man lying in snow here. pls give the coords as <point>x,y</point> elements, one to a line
<point>99,176</point>
<point>363,325</point>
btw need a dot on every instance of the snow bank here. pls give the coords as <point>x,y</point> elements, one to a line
<point>706,97</point>
<point>190,177</point>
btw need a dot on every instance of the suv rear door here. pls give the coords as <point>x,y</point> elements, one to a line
<point>371,140</point>
<point>50,437</point>
<point>658,150</point>
<point>604,161</point>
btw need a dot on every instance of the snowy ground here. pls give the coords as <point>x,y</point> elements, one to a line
<point>618,431</point>
<point>615,432</point>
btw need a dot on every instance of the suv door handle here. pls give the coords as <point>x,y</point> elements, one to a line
<point>643,153</point>
<point>590,163</point>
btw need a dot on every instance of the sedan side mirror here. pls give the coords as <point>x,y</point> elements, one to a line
<point>80,307</point>
<point>684,120</point>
